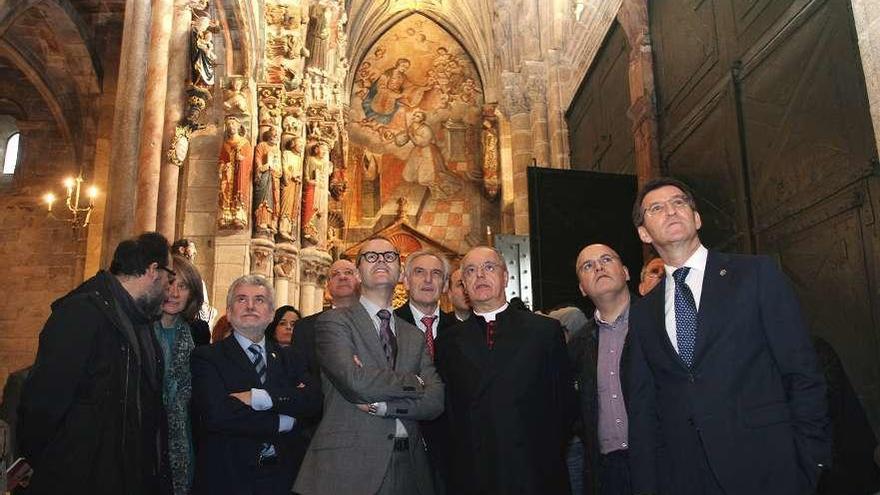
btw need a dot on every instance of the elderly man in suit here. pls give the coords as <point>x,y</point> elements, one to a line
<point>509,391</point>
<point>725,395</point>
<point>426,277</point>
<point>379,382</point>
<point>247,393</point>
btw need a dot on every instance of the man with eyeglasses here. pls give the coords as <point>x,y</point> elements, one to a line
<point>91,409</point>
<point>724,393</point>
<point>425,279</point>
<point>597,354</point>
<point>509,390</point>
<point>379,381</point>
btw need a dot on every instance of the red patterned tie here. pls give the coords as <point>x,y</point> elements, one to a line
<point>490,334</point>
<point>428,321</point>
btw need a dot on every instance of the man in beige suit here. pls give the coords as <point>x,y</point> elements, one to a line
<point>379,381</point>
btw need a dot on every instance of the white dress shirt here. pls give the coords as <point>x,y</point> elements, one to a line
<point>694,280</point>
<point>418,315</point>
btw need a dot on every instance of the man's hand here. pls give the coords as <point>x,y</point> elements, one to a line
<point>357,361</point>
<point>243,396</point>
<point>368,408</point>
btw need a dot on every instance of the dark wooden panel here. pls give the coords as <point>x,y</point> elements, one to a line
<point>752,18</point>
<point>806,117</point>
<point>687,56</point>
<point>706,154</point>
<point>824,251</point>
<point>600,132</point>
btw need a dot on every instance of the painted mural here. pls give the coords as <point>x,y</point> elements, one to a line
<point>416,130</point>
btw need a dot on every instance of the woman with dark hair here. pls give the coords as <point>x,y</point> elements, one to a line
<point>281,329</point>
<point>174,335</point>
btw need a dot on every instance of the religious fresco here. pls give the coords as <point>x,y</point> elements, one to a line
<point>416,130</point>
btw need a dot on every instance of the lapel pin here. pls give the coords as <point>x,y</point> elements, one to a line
<point>723,272</point>
<point>273,355</point>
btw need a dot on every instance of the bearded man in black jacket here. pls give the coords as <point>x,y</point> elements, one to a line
<point>91,409</point>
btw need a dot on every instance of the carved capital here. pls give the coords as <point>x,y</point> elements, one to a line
<point>262,258</point>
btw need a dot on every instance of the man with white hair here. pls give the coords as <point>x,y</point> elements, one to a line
<point>247,394</point>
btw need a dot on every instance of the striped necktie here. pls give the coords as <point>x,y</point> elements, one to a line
<point>259,363</point>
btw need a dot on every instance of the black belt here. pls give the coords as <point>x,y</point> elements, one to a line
<point>401,444</point>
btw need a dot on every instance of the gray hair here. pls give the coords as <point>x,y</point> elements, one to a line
<point>407,270</point>
<point>254,280</point>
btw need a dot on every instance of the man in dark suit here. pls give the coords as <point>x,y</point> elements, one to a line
<point>598,353</point>
<point>379,381</point>
<point>344,287</point>
<point>509,391</point>
<point>247,394</point>
<point>461,305</point>
<point>724,395</point>
<point>425,278</point>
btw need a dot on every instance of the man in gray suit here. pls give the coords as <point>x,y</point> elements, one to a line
<point>379,381</point>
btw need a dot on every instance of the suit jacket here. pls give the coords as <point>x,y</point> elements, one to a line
<point>435,431</point>
<point>509,408</point>
<point>753,402</point>
<point>233,432</point>
<point>304,346</point>
<point>351,450</point>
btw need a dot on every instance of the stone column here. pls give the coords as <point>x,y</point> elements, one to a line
<point>122,186</point>
<point>537,97</point>
<point>633,18</point>
<point>231,260</point>
<point>314,266</point>
<point>866,14</point>
<point>515,106</point>
<point>557,128</point>
<point>153,119</point>
<point>178,65</point>
<point>285,270</point>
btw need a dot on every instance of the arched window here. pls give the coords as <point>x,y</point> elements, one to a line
<point>10,160</point>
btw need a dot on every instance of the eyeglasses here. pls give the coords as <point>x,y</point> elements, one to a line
<point>171,273</point>
<point>387,256</point>
<point>590,265</point>
<point>678,203</point>
<point>470,271</point>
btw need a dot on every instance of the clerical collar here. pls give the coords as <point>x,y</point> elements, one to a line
<point>491,315</point>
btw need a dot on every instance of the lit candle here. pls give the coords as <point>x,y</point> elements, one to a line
<point>49,198</point>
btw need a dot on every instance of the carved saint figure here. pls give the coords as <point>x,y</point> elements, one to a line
<point>490,159</point>
<point>202,56</point>
<point>235,162</point>
<point>234,98</point>
<point>291,182</point>
<point>315,191</point>
<point>267,177</point>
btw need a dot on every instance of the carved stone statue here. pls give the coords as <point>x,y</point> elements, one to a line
<point>315,192</point>
<point>291,185</point>
<point>235,163</point>
<point>267,178</point>
<point>490,159</point>
<point>292,126</point>
<point>202,54</point>
<point>234,98</point>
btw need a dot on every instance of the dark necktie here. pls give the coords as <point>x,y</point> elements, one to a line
<point>685,316</point>
<point>266,449</point>
<point>490,333</point>
<point>428,321</point>
<point>386,336</point>
<point>259,364</point>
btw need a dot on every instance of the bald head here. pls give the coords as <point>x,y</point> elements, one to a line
<point>343,283</point>
<point>601,274</point>
<point>485,278</point>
